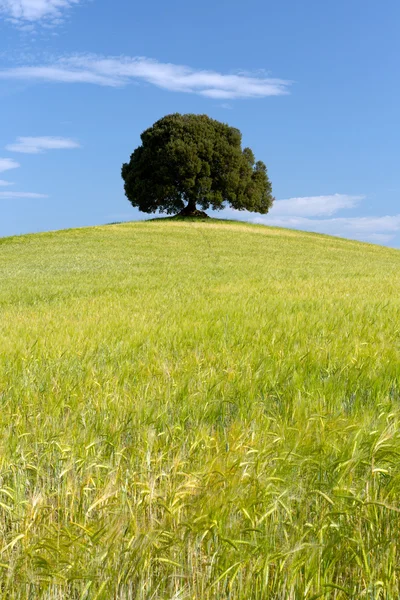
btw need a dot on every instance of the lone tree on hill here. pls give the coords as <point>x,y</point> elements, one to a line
<point>186,161</point>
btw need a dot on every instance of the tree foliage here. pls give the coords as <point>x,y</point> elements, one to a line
<point>189,161</point>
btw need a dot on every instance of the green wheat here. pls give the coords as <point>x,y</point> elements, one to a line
<point>198,411</point>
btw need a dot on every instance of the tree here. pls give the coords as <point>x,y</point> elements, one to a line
<point>186,161</point>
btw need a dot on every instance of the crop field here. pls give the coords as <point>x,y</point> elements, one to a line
<point>197,411</point>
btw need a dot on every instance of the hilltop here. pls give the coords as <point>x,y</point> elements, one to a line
<point>198,411</point>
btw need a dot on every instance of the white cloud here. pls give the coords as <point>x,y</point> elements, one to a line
<point>120,71</point>
<point>337,225</point>
<point>315,206</point>
<point>4,183</point>
<point>11,195</point>
<point>379,238</point>
<point>21,12</point>
<point>37,145</point>
<point>372,229</point>
<point>376,229</point>
<point>8,163</point>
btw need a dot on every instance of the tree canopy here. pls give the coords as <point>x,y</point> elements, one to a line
<point>189,161</point>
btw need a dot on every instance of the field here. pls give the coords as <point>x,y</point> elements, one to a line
<point>198,411</point>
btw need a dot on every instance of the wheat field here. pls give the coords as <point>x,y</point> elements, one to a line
<point>198,411</point>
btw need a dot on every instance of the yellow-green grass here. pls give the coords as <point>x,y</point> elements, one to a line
<point>198,411</point>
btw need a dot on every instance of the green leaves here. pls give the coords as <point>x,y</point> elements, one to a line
<point>195,160</point>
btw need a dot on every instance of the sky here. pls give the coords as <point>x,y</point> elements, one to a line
<point>313,86</point>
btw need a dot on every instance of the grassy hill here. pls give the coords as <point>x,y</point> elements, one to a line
<point>198,411</point>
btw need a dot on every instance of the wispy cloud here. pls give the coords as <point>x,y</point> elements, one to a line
<point>21,12</point>
<point>4,183</point>
<point>12,195</point>
<point>377,229</point>
<point>298,213</point>
<point>8,163</point>
<point>120,71</point>
<point>38,145</point>
<point>315,206</point>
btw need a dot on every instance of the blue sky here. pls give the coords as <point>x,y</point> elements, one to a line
<point>313,86</point>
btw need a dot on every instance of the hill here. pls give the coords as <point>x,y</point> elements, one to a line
<point>196,411</point>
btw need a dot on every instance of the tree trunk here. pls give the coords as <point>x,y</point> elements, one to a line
<point>190,210</point>
<point>191,206</point>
